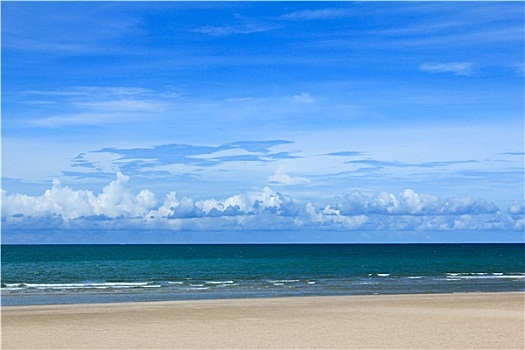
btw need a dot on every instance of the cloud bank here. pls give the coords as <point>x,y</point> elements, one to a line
<point>118,206</point>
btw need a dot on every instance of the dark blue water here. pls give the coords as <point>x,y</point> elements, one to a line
<point>50,274</point>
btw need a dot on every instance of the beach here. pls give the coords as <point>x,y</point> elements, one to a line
<point>423,321</point>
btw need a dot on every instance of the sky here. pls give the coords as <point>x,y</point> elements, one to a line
<point>302,121</point>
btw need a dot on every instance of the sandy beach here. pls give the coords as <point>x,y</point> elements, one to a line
<point>444,321</point>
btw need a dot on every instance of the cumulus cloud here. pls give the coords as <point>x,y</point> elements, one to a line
<point>409,202</point>
<point>120,206</point>
<point>516,208</point>
<point>116,200</point>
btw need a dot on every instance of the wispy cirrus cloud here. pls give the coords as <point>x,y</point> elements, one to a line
<point>121,105</point>
<point>94,105</point>
<point>244,28</point>
<point>96,30</point>
<point>345,154</point>
<point>513,153</point>
<point>81,119</point>
<point>434,164</point>
<point>90,92</point>
<point>315,14</point>
<point>456,68</point>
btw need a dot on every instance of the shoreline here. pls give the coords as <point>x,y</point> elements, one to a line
<point>459,320</point>
<point>243,297</point>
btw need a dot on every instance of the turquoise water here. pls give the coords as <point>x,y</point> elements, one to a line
<point>50,274</point>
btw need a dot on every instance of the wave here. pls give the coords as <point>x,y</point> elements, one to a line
<point>78,286</point>
<point>352,284</point>
<point>484,275</point>
<point>284,281</point>
<point>193,288</point>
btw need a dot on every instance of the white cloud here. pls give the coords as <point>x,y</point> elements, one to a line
<point>328,13</point>
<point>456,68</point>
<point>121,105</point>
<point>328,217</point>
<point>419,203</point>
<point>79,119</point>
<point>119,206</point>
<point>115,200</point>
<point>516,208</point>
<point>304,97</point>
<point>92,105</point>
<point>409,202</point>
<point>280,178</point>
<point>247,28</point>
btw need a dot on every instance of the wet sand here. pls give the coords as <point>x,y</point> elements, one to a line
<point>438,321</point>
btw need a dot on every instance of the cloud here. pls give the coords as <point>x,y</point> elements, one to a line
<point>93,105</point>
<point>513,153</point>
<point>456,68</point>
<point>345,154</point>
<point>379,163</point>
<point>139,161</point>
<point>258,146</point>
<point>121,105</point>
<point>409,202</point>
<point>247,28</point>
<point>81,119</point>
<point>516,208</point>
<point>115,200</point>
<point>90,91</point>
<point>119,206</point>
<point>306,15</point>
<point>304,97</point>
<point>280,178</point>
<point>65,28</point>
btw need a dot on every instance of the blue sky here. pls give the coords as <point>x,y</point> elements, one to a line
<point>295,116</point>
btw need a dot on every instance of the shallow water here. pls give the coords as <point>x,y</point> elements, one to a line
<point>50,274</point>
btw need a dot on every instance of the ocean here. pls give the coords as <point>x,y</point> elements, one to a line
<point>65,274</point>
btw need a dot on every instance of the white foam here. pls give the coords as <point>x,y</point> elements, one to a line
<point>486,276</point>
<point>196,288</point>
<point>220,282</point>
<point>284,281</point>
<point>12,288</point>
<point>104,285</point>
<point>383,274</point>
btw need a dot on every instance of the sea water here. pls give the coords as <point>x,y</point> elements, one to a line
<point>52,274</point>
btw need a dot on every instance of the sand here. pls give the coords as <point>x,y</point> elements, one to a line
<point>442,321</point>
